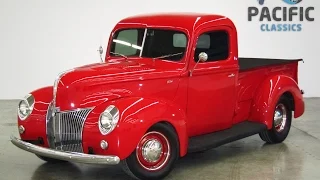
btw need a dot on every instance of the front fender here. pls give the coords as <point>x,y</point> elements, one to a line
<point>35,124</point>
<point>268,95</point>
<point>137,115</point>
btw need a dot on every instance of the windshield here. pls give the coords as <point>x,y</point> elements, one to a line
<point>150,43</point>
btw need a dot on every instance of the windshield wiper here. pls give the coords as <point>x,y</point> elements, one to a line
<point>168,55</point>
<point>119,54</point>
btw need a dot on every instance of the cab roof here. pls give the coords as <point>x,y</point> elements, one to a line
<point>187,21</point>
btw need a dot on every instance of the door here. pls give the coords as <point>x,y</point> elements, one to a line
<point>212,84</point>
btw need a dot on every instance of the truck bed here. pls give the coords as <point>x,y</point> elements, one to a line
<point>253,71</point>
<point>253,63</point>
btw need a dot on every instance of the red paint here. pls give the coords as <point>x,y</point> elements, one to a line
<point>137,115</point>
<point>268,94</point>
<point>251,88</point>
<point>147,92</point>
<point>207,86</point>
<point>91,85</point>
<point>35,124</point>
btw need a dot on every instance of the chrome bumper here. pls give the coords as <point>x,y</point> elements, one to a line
<point>66,156</point>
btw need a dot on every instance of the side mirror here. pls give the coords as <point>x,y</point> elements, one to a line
<point>203,57</point>
<point>100,50</point>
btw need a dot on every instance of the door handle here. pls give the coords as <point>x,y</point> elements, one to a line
<point>231,75</point>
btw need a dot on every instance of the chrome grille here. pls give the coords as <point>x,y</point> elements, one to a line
<point>64,130</point>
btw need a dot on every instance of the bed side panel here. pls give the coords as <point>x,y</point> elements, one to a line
<point>250,80</point>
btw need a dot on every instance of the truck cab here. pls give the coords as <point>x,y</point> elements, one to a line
<point>170,84</point>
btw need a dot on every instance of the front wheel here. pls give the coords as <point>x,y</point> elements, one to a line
<point>155,154</point>
<point>281,123</point>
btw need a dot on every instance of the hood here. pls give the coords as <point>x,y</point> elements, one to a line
<point>94,84</point>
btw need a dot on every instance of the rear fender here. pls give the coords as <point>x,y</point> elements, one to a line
<point>268,94</point>
<point>137,115</point>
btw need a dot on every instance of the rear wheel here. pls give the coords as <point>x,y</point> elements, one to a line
<point>281,123</point>
<point>155,154</point>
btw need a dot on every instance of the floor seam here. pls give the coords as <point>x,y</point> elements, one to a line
<point>306,133</point>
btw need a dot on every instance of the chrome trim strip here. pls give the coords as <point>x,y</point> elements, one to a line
<point>66,156</point>
<point>55,87</point>
<point>75,110</point>
<point>66,126</point>
<point>143,40</point>
<point>83,125</point>
<point>49,126</point>
<point>52,105</point>
<point>69,124</point>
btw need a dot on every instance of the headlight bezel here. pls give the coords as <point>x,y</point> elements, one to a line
<point>111,114</point>
<point>29,102</point>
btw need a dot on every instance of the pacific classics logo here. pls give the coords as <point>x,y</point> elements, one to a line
<point>281,18</point>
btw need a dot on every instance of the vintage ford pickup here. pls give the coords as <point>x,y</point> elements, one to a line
<point>170,84</point>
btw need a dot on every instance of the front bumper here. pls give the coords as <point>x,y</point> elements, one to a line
<point>66,156</point>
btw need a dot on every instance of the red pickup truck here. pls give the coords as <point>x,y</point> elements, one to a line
<point>170,84</point>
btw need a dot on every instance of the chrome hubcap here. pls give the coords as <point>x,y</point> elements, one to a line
<point>280,117</point>
<point>151,150</point>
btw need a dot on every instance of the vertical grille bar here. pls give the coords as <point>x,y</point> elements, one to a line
<point>68,129</point>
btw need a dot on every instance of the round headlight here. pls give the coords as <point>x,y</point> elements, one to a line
<point>26,106</point>
<point>108,119</point>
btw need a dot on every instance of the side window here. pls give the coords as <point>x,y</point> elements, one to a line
<point>215,44</point>
<point>179,40</point>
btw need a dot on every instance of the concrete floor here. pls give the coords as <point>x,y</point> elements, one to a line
<point>295,159</point>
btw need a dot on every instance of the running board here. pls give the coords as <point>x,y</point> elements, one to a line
<point>238,131</point>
